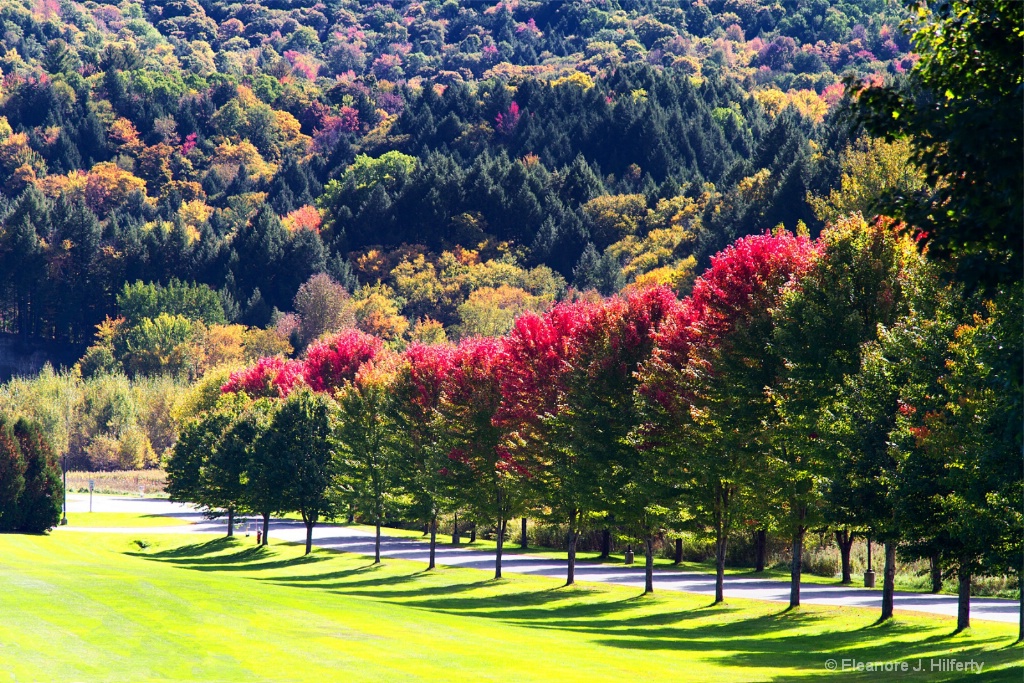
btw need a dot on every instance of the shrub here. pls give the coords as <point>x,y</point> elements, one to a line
<point>12,475</point>
<point>39,505</point>
<point>135,451</point>
<point>103,452</point>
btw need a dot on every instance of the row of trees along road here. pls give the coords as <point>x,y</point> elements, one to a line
<point>836,383</point>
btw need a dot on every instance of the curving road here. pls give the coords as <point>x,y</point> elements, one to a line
<point>347,539</point>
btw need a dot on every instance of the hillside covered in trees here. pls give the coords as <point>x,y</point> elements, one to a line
<point>450,165</point>
<point>734,269</point>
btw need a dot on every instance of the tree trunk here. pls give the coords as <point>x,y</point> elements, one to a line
<point>888,580</point>
<point>522,540</point>
<point>455,529</point>
<point>376,545</point>
<point>433,540</point>
<point>844,539</point>
<point>472,533</point>
<point>649,565</point>
<point>963,612</point>
<point>720,545</point>
<point>231,522</point>
<point>351,515</point>
<point>679,551</point>
<point>309,536</point>
<point>570,577</point>
<point>266,528</point>
<point>606,544</point>
<point>936,572</point>
<point>760,549</point>
<point>796,565</point>
<point>501,543</point>
<point>1020,584</point>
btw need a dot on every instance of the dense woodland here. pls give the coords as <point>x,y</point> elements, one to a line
<point>249,147</point>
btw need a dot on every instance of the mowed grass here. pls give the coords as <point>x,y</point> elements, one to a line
<point>120,607</point>
<point>122,520</point>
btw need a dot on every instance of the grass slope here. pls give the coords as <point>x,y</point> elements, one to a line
<point>122,519</point>
<point>106,607</point>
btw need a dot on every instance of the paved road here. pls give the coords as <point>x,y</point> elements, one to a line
<point>347,539</point>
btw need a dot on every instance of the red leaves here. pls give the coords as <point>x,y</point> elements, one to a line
<point>505,123</point>
<point>494,393</point>
<point>335,361</point>
<point>508,464</point>
<point>747,274</point>
<point>475,372</point>
<point>427,369</point>
<point>473,403</point>
<point>537,351</point>
<point>189,144</point>
<point>906,410</point>
<point>330,128</point>
<point>745,277</point>
<point>458,455</point>
<point>269,378</point>
<point>745,280</point>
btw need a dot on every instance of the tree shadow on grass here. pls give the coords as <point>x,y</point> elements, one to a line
<point>379,588</point>
<point>226,554</point>
<point>786,638</point>
<point>795,641</point>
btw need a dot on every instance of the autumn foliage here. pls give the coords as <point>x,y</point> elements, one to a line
<point>272,377</point>
<point>332,362</point>
<point>746,277</point>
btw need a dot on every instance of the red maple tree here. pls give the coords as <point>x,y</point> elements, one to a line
<point>332,362</point>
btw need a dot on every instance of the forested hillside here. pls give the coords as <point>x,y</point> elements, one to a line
<point>449,164</point>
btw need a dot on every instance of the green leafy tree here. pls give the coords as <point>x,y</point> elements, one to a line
<point>303,436</point>
<point>961,109</point>
<point>148,300</point>
<point>166,344</point>
<point>205,466</point>
<point>871,171</point>
<point>961,482</point>
<point>866,275</point>
<point>266,474</point>
<point>369,447</point>
<point>864,491</point>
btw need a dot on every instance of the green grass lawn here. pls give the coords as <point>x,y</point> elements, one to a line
<point>106,607</point>
<point>122,519</point>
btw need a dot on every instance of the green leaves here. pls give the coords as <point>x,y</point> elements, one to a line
<point>961,108</point>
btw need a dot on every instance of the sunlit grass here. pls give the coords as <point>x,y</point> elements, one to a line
<point>94,607</point>
<point>122,519</point>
